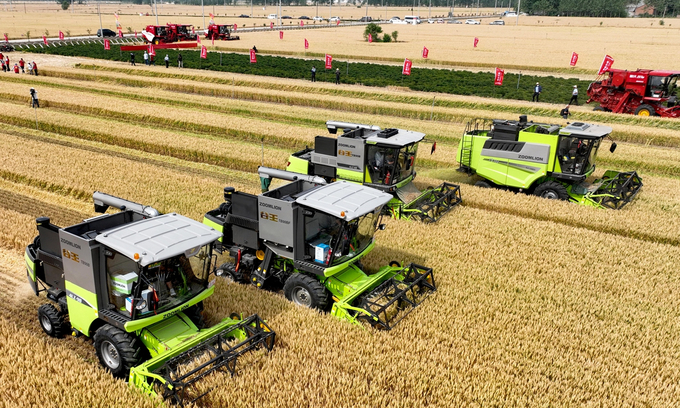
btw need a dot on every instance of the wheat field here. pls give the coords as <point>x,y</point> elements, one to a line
<point>540,303</point>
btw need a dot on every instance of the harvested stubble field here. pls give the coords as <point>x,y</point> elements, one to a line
<point>540,303</point>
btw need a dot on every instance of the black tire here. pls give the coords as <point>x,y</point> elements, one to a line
<point>395,264</point>
<point>195,314</point>
<point>52,321</point>
<point>483,184</point>
<point>552,190</point>
<point>229,272</point>
<point>645,110</point>
<point>118,351</point>
<point>306,291</point>
<point>599,109</point>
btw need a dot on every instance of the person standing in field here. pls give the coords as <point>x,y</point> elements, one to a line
<point>2,62</point>
<point>35,68</point>
<point>537,92</point>
<point>34,99</point>
<point>21,65</point>
<point>313,74</point>
<point>132,59</point>
<point>180,62</point>
<point>7,63</point>
<point>30,68</point>
<point>574,96</point>
<point>16,68</point>
<point>565,112</point>
<point>167,61</point>
<point>146,58</point>
<point>337,76</point>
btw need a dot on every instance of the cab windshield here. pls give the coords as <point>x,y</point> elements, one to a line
<point>331,241</point>
<point>389,165</point>
<point>160,286</point>
<point>577,155</point>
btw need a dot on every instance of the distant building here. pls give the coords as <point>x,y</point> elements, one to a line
<point>639,8</point>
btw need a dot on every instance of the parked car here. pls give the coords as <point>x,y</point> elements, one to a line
<point>334,19</point>
<point>366,19</point>
<point>317,18</point>
<point>304,18</point>
<point>440,21</point>
<point>510,14</point>
<point>106,32</point>
<point>272,16</point>
<point>497,22</point>
<point>430,21</point>
<point>455,22</point>
<point>472,22</point>
<point>286,18</point>
<point>244,16</point>
<point>395,18</point>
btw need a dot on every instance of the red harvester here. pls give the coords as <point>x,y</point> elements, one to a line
<point>643,92</point>
<point>220,32</point>
<point>168,33</point>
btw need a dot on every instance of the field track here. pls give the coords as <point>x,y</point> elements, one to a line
<point>540,303</point>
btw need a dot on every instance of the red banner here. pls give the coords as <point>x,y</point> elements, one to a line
<point>302,23</point>
<point>107,45</point>
<point>607,63</point>
<point>280,35</point>
<point>198,39</point>
<point>192,30</point>
<point>407,67</point>
<point>211,16</point>
<point>329,61</point>
<point>370,38</point>
<point>135,33</point>
<point>337,23</point>
<point>152,51</point>
<point>574,59</point>
<point>61,36</point>
<point>499,77</point>
<point>235,27</point>
<point>120,33</point>
<point>253,57</point>
<point>271,25</point>
<point>426,52</point>
<point>212,38</point>
<point>306,44</point>
<point>6,39</point>
<point>476,42</point>
<point>204,52</point>
<point>45,40</point>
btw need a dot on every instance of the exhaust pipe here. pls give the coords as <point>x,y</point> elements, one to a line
<point>103,201</point>
<point>333,126</point>
<point>269,173</point>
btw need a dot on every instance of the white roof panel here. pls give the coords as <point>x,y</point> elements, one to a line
<point>586,129</point>
<point>403,138</point>
<point>353,199</point>
<point>158,238</point>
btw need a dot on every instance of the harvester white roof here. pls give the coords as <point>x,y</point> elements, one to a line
<point>403,138</point>
<point>353,199</point>
<point>586,130</point>
<point>158,238</point>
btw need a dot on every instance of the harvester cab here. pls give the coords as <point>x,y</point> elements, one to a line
<point>168,33</point>
<point>309,237</point>
<point>383,159</point>
<point>643,92</point>
<point>220,32</point>
<point>135,282</point>
<point>547,160</point>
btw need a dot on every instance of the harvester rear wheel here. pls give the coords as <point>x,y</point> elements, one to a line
<point>306,291</point>
<point>117,350</point>
<point>552,190</point>
<point>645,110</point>
<point>483,184</point>
<point>52,321</point>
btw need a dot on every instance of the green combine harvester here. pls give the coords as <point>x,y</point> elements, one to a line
<point>309,237</point>
<point>546,160</point>
<point>135,282</point>
<point>380,158</point>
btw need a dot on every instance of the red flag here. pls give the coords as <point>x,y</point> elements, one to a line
<point>45,40</point>
<point>499,77</point>
<point>337,23</point>
<point>135,33</point>
<point>476,41</point>
<point>302,23</point>
<point>329,61</point>
<point>107,45</point>
<point>235,27</point>
<point>198,39</point>
<point>306,44</point>
<point>211,16</point>
<point>271,25</point>
<point>152,51</point>
<point>280,35</point>
<point>192,30</point>
<point>607,63</point>
<point>120,33</point>
<point>574,59</point>
<point>253,57</point>
<point>370,38</point>
<point>407,67</point>
<point>6,39</point>
<point>425,52</point>
<point>204,52</point>
<point>61,36</point>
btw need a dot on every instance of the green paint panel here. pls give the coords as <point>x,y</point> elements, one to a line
<point>82,306</point>
<point>297,165</point>
<point>354,176</point>
<point>136,325</point>
<point>214,225</point>
<point>339,268</point>
<point>168,334</point>
<point>30,265</point>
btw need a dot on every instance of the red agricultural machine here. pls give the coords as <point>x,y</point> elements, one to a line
<point>643,92</point>
<point>220,32</point>
<point>169,33</point>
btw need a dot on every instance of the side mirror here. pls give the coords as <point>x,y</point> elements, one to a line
<point>612,147</point>
<point>381,227</point>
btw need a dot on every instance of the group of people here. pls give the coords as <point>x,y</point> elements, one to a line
<point>565,111</point>
<point>337,75</point>
<point>150,60</point>
<point>20,66</point>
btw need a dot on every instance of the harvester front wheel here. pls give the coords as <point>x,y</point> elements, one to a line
<point>482,184</point>
<point>306,291</point>
<point>52,321</point>
<point>645,110</point>
<point>117,350</point>
<point>552,190</point>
